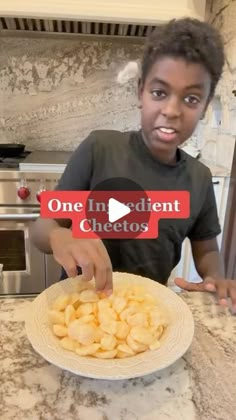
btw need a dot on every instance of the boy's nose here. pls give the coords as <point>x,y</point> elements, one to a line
<point>171,108</point>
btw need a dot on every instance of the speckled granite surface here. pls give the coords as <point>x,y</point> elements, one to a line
<point>200,386</point>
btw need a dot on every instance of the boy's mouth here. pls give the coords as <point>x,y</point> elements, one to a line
<point>166,133</point>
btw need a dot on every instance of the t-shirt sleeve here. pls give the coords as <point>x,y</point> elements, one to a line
<point>207,224</point>
<point>78,171</point>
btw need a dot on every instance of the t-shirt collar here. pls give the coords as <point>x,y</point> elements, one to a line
<point>181,156</point>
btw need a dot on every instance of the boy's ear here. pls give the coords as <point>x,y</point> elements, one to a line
<point>203,116</point>
<point>205,109</point>
<point>140,88</point>
<point>204,113</point>
<point>140,91</point>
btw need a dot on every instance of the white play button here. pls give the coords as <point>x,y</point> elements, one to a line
<point>116,210</point>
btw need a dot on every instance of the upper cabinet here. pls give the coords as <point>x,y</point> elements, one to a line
<point>110,11</point>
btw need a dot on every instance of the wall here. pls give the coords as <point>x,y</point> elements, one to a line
<point>55,91</point>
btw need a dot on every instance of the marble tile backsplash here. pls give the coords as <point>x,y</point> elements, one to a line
<point>55,91</point>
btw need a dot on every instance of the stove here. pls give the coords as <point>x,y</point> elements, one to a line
<point>23,268</point>
<point>37,161</point>
<point>23,178</point>
<point>45,161</point>
<point>13,162</point>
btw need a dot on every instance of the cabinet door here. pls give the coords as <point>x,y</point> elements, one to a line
<point>221,187</point>
<point>186,267</point>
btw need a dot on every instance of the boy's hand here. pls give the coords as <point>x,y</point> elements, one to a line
<point>224,288</point>
<point>89,254</point>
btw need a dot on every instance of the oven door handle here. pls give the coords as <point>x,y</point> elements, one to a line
<point>19,217</point>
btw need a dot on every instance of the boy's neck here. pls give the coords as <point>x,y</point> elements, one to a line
<point>163,156</point>
<point>167,158</point>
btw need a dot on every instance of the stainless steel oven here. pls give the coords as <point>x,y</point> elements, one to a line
<point>23,268</point>
<point>23,265</point>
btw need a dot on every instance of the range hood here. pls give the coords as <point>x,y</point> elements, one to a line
<point>93,17</point>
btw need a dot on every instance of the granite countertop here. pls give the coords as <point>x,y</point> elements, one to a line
<point>199,386</point>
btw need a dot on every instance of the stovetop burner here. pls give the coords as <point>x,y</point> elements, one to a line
<point>13,162</point>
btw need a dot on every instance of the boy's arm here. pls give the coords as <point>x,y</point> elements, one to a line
<point>41,230</point>
<point>207,259</point>
<point>75,177</point>
<point>54,236</point>
<point>210,267</point>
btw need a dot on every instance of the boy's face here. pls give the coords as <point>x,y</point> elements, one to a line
<point>173,99</point>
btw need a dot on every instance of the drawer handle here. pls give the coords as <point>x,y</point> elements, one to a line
<point>215,182</point>
<point>18,217</point>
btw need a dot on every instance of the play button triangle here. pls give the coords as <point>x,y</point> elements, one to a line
<point>116,210</point>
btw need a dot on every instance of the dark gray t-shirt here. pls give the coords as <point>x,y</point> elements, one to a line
<point>105,154</point>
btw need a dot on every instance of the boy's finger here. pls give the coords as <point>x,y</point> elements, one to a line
<point>232,293</point>
<point>210,284</point>
<point>69,266</point>
<point>105,256</point>
<point>84,262</point>
<point>101,266</point>
<point>109,281</point>
<point>222,292</point>
<point>87,266</point>
<point>190,287</point>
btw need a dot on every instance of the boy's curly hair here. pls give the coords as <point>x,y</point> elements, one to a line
<point>189,39</point>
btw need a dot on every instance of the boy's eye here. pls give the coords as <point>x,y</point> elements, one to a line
<point>192,99</point>
<point>158,93</point>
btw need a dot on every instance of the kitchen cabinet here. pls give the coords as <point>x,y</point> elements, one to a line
<point>228,247</point>
<point>186,267</point>
<point>122,11</point>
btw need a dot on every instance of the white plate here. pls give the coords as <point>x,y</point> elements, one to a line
<point>175,342</point>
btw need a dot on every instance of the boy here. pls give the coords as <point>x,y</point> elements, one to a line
<point>181,67</point>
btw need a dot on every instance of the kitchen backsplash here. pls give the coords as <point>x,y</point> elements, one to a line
<point>54,91</point>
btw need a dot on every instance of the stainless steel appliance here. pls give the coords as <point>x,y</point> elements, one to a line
<point>23,268</point>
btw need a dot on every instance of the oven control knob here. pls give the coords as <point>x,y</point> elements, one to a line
<point>23,193</point>
<point>38,195</point>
